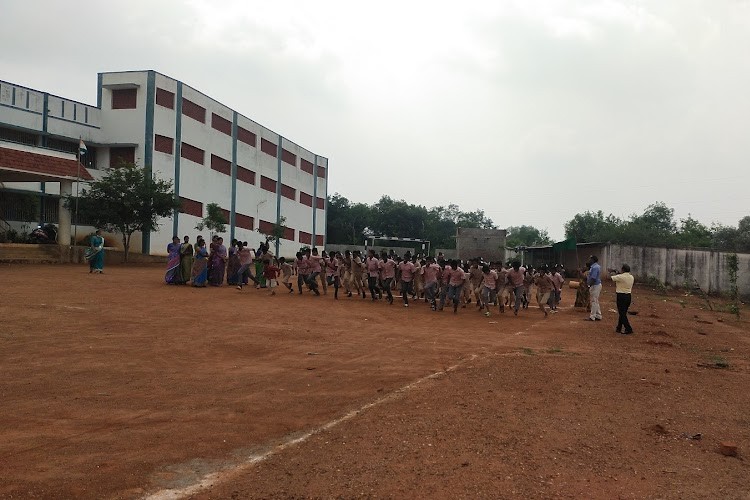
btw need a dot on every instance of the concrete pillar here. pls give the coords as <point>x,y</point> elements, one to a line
<point>63,231</point>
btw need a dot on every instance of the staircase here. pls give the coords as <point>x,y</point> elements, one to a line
<point>29,253</point>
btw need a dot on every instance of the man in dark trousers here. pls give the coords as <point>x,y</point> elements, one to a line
<point>624,288</point>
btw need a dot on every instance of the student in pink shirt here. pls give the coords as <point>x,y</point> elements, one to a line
<point>455,284</point>
<point>388,273</point>
<point>515,282</point>
<point>444,279</point>
<point>332,272</point>
<point>407,277</point>
<point>556,294</point>
<point>489,285</point>
<point>247,256</point>
<point>430,274</point>
<point>373,273</point>
<point>314,269</point>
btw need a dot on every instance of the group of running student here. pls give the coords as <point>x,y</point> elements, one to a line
<point>437,281</point>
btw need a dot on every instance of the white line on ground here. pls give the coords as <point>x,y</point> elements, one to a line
<point>226,473</point>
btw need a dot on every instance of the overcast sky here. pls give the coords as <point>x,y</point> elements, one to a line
<point>531,110</point>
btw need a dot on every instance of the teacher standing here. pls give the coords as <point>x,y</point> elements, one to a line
<point>624,289</point>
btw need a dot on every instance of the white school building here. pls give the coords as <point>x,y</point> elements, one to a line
<point>212,154</point>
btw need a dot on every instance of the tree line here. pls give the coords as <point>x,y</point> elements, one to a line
<point>657,227</point>
<point>350,222</point>
<point>125,201</point>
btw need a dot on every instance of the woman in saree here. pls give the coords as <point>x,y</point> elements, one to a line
<point>173,276</point>
<point>95,254</point>
<point>233,264</point>
<point>186,259</point>
<point>199,274</point>
<point>582,293</point>
<point>218,264</point>
<point>261,283</point>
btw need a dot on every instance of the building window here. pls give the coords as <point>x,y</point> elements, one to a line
<point>321,171</point>
<point>319,240</point>
<point>221,124</point>
<point>245,175</point>
<point>124,98</point>
<point>288,192</point>
<point>12,135</point>
<point>191,207</point>
<point>306,166</point>
<point>225,213</point>
<point>320,203</point>
<point>288,157</point>
<point>267,184</point>
<point>305,199</point>
<point>243,221</point>
<point>165,98</point>
<point>305,238</point>
<point>221,165</point>
<point>194,111</point>
<point>246,136</point>
<point>288,234</point>
<point>265,226</point>
<point>267,147</point>
<point>121,155</point>
<point>163,144</point>
<point>192,153</point>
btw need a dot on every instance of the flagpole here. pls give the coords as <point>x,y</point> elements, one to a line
<point>78,183</point>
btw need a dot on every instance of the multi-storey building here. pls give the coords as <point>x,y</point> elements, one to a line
<point>213,154</point>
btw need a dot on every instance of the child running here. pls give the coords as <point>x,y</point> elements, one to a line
<point>286,274</point>
<point>271,272</point>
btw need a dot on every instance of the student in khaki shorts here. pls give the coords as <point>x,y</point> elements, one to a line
<point>544,286</point>
<point>286,274</point>
<point>356,274</point>
<point>345,272</point>
<point>502,286</point>
<point>528,280</point>
<point>489,284</point>
<point>515,283</point>
<point>475,278</point>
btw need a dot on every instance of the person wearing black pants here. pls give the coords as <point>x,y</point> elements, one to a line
<point>624,288</point>
<point>373,273</point>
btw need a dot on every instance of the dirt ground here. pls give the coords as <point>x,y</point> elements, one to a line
<point>118,386</point>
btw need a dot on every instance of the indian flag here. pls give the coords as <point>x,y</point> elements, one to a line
<point>81,147</point>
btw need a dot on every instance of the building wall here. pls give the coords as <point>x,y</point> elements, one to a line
<point>675,267</point>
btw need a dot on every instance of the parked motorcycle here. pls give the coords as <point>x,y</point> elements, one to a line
<point>46,234</point>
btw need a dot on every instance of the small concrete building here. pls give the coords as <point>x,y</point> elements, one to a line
<point>489,244</point>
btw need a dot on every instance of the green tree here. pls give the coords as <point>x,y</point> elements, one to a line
<point>475,219</point>
<point>732,239</point>
<point>397,218</point>
<point>214,220</point>
<point>593,227</point>
<point>654,227</point>
<point>346,220</point>
<point>526,236</point>
<point>125,200</point>
<point>693,233</point>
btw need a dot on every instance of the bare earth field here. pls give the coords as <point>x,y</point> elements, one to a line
<point>118,386</point>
